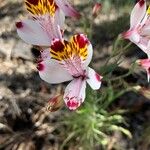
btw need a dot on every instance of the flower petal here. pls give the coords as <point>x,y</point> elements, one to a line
<point>144,45</point>
<point>135,37</point>
<point>67,8</point>
<point>60,18</point>
<point>52,72</point>
<point>51,26</point>
<point>132,35</point>
<point>89,56</point>
<point>94,79</point>
<point>137,13</point>
<point>145,63</point>
<point>31,32</point>
<point>45,54</point>
<point>74,55</point>
<point>148,49</point>
<point>75,93</point>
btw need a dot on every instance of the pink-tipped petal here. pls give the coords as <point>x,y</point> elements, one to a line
<point>31,32</point>
<point>52,72</point>
<point>75,93</point>
<point>137,13</point>
<point>65,6</point>
<point>94,79</point>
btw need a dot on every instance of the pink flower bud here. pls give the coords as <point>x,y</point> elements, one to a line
<point>55,103</point>
<point>96,8</point>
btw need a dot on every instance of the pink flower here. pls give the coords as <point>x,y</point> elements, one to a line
<point>145,63</point>
<point>69,60</point>
<point>47,21</point>
<point>139,32</point>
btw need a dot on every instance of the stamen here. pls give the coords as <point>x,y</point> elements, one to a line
<point>41,7</point>
<point>63,50</point>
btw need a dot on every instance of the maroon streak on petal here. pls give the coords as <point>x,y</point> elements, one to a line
<point>40,66</point>
<point>50,1</point>
<point>19,24</point>
<point>34,2</point>
<point>82,40</point>
<point>57,46</point>
<point>141,2</point>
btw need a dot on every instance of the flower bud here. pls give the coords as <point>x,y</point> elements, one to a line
<point>55,103</point>
<point>96,8</point>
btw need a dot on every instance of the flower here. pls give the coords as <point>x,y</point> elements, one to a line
<point>69,60</point>
<point>139,32</point>
<point>47,21</point>
<point>145,63</point>
<point>42,7</point>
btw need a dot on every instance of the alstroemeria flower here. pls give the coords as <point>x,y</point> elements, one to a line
<point>42,7</point>
<point>145,63</point>
<point>69,60</point>
<point>139,32</point>
<point>46,22</point>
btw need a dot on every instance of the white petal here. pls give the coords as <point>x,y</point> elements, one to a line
<point>45,54</point>
<point>134,37</point>
<point>52,72</point>
<point>60,18</point>
<point>75,93</point>
<point>144,45</point>
<point>94,79</point>
<point>89,57</point>
<point>148,49</point>
<point>137,13</point>
<point>51,26</point>
<point>31,32</point>
<point>67,8</point>
<point>145,30</point>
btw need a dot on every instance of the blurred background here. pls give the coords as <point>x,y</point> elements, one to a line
<point>117,117</point>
